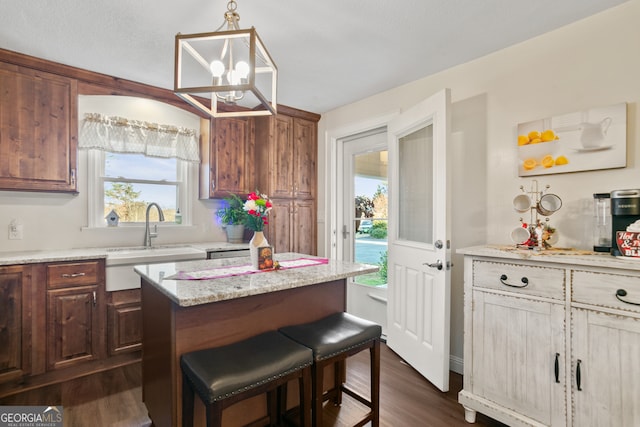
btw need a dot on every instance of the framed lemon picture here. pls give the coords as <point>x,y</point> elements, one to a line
<point>585,140</point>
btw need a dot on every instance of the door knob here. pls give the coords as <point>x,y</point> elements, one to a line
<point>437,264</point>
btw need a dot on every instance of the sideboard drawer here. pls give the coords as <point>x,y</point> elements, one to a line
<point>530,280</point>
<point>600,289</point>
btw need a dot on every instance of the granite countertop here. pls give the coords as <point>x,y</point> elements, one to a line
<point>38,256</point>
<point>187,293</point>
<point>59,255</point>
<point>554,255</point>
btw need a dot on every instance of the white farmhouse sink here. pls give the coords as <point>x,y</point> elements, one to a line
<point>120,262</point>
<point>142,255</point>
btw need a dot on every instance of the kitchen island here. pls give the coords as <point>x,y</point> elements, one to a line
<point>180,316</point>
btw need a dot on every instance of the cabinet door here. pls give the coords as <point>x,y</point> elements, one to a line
<point>38,130</point>
<point>15,322</point>
<point>279,228</point>
<point>125,327</point>
<point>282,154</point>
<point>606,347</point>
<point>516,345</point>
<point>292,226</point>
<point>304,149</point>
<point>73,326</point>
<point>228,159</point>
<point>124,321</point>
<point>303,226</point>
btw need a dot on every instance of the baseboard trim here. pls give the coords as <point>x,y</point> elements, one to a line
<point>456,364</point>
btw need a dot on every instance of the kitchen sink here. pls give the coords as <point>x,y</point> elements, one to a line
<point>120,262</point>
<point>156,254</point>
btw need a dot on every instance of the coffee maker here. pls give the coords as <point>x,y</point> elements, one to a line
<point>625,210</point>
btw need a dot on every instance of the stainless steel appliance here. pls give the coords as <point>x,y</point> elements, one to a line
<point>625,210</point>
<point>602,222</point>
<point>227,253</point>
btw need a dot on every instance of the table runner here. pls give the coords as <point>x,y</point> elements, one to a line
<point>239,270</point>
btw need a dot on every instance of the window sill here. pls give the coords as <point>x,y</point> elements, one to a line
<point>130,227</point>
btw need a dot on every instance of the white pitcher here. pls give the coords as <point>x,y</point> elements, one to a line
<point>593,134</point>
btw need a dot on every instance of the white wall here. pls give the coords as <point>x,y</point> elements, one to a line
<point>59,221</point>
<point>594,62</point>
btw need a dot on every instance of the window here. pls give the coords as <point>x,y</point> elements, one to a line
<point>132,163</point>
<point>127,183</point>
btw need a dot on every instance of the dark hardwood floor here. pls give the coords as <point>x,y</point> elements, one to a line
<point>114,398</point>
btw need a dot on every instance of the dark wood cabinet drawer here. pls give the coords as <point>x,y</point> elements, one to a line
<point>72,274</point>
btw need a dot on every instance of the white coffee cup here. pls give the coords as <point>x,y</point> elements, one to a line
<point>520,235</point>
<point>548,204</point>
<point>522,202</point>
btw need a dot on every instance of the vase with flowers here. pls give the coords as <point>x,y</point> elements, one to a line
<point>257,208</point>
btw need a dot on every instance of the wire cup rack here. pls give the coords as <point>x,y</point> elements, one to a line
<point>537,234</point>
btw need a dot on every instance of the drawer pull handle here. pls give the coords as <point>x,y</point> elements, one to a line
<point>524,281</point>
<point>95,302</point>
<point>556,367</point>
<point>579,375</point>
<point>71,276</point>
<point>623,293</point>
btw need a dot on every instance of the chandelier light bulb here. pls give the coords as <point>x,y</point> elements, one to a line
<point>242,69</point>
<point>236,77</point>
<point>217,68</point>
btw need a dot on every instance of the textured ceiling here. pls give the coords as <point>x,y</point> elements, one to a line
<point>329,53</point>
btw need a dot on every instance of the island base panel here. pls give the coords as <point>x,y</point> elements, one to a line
<point>170,331</point>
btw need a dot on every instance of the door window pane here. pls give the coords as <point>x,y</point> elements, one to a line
<point>415,179</point>
<point>370,219</point>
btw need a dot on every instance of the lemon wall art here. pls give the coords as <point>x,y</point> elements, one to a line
<point>585,140</point>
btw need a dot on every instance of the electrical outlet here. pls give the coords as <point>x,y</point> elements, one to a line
<point>15,230</point>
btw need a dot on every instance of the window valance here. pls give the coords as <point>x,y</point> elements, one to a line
<point>121,135</point>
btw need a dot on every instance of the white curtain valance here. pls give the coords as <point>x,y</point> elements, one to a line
<point>120,135</point>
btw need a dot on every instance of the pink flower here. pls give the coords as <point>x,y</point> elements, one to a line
<point>257,207</point>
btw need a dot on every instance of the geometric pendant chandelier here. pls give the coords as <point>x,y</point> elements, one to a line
<point>226,73</point>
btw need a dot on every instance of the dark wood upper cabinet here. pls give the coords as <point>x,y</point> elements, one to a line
<point>286,153</point>
<point>227,157</point>
<point>38,130</point>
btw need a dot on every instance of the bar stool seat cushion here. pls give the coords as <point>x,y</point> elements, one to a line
<point>333,334</point>
<point>222,372</point>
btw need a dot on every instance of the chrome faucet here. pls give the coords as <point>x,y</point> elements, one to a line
<point>147,233</point>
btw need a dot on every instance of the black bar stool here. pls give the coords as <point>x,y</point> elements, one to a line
<point>333,339</point>
<point>226,375</point>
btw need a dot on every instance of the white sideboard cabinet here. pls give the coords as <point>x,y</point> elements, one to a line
<point>551,338</point>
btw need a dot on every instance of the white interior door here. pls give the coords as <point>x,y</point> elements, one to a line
<point>419,275</point>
